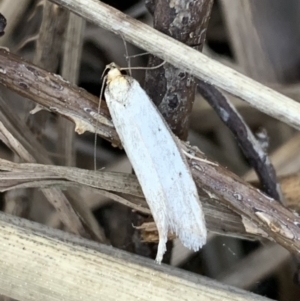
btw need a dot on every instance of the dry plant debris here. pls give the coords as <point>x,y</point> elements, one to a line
<point>52,69</point>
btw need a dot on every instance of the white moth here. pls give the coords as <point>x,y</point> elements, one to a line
<point>158,162</point>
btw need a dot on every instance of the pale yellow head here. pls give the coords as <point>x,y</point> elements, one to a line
<point>113,73</point>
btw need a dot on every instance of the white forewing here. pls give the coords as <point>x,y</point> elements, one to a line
<point>159,165</point>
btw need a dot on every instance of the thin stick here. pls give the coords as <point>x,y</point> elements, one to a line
<point>249,145</point>
<point>70,71</point>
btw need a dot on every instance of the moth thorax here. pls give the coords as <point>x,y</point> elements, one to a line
<point>113,74</point>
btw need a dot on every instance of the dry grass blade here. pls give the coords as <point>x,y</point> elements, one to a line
<point>111,181</point>
<point>124,188</point>
<point>73,48</point>
<point>8,139</point>
<point>48,46</point>
<point>70,71</point>
<point>257,95</point>
<point>64,257</point>
<point>54,195</point>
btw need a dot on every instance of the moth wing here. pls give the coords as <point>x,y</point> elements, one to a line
<point>162,171</point>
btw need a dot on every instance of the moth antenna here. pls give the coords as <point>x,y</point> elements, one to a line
<point>98,113</point>
<point>102,75</point>
<point>127,57</point>
<point>145,68</point>
<point>137,55</point>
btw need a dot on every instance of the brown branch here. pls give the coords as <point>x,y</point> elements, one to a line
<point>251,148</point>
<point>257,211</point>
<point>56,95</point>
<point>268,215</point>
<point>50,38</point>
<point>171,89</point>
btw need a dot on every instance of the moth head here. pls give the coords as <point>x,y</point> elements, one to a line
<point>112,71</point>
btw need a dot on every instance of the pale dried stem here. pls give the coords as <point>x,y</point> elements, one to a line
<point>247,46</point>
<point>125,189</point>
<point>70,71</point>
<point>48,44</point>
<point>80,269</point>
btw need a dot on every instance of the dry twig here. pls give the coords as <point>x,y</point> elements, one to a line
<point>251,148</point>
